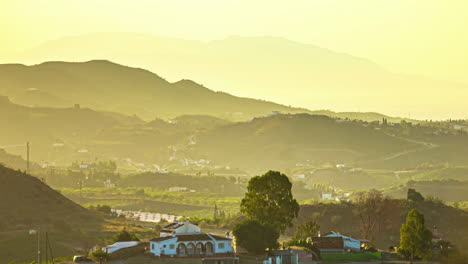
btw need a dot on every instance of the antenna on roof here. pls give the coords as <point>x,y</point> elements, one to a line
<point>27,157</point>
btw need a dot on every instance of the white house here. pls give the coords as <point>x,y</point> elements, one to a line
<point>180,228</point>
<point>350,244</point>
<point>191,245</point>
<point>178,189</point>
<point>327,197</point>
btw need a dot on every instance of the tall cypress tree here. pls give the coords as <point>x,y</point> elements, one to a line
<point>415,237</point>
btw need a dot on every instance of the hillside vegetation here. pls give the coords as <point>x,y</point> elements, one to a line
<point>281,141</point>
<point>342,217</point>
<point>26,202</point>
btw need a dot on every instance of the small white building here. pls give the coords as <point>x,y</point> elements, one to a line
<point>178,189</point>
<point>191,245</point>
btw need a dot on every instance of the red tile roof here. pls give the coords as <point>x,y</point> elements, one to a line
<point>159,239</point>
<point>328,242</point>
<point>193,237</point>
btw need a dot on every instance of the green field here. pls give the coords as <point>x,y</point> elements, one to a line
<point>198,204</point>
<point>365,256</point>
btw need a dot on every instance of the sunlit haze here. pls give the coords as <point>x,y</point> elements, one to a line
<point>409,37</point>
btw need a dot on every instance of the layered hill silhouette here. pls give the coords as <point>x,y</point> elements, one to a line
<point>60,136</point>
<point>271,68</point>
<point>104,85</point>
<point>63,135</point>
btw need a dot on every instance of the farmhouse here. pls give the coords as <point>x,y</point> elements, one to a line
<point>350,244</point>
<point>192,245</point>
<point>329,244</point>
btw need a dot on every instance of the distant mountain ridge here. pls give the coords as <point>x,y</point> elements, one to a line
<point>104,85</point>
<point>268,67</point>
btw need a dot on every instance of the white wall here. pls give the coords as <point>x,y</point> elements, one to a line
<point>164,247</point>
<point>227,247</point>
<point>119,245</point>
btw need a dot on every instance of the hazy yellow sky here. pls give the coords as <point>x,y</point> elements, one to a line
<point>427,37</point>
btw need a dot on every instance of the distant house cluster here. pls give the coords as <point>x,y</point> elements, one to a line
<point>146,216</point>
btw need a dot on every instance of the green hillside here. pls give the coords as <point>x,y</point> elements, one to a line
<point>283,140</point>
<point>27,203</point>
<point>203,143</point>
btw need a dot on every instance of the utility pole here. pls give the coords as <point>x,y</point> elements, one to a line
<point>27,157</point>
<point>39,246</point>
<point>46,249</point>
<point>81,186</point>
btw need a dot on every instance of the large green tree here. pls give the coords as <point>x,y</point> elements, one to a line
<point>255,237</point>
<point>269,200</point>
<point>415,237</point>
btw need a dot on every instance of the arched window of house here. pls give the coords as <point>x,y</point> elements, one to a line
<point>209,248</point>
<point>181,250</point>
<point>199,249</point>
<point>190,249</point>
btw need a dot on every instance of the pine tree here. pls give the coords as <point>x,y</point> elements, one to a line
<point>215,214</point>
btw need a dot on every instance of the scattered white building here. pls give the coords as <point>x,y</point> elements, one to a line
<point>109,184</point>
<point>178,189</point>
<point>327,197</point>
<point>300,176</point>
<point>146,216</point>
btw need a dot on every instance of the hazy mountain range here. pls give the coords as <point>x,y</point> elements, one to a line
<point>99,109</point>
<point>103,85</point>
<point>108,86</point>
<point>270,68</point>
